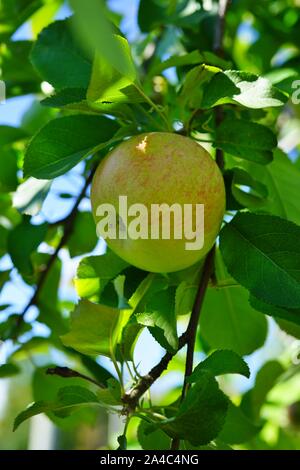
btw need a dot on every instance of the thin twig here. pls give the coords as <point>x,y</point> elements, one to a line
<point>67,373</point>
<point>68,223</point>
<point>220,27</point>
<point>219,50</point>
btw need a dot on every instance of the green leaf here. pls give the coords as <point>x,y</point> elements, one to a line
<point>4,277</point>
<point>13,13</point>
<point>290,328</point>
<point>228,321</point>
<point>97,34</point>
<point>246,190</point>
<point>57,45</point>
<point>246,89</point>
<point>281,177</point>
<point>158,310</point>
<point>111,86</point>
<point>220,363</point>
<point>112,394</point>
<point>8,370</point>
<point>44,16</point>
<point>238,428</point>
<point>185,298</point>
<point>152,438</point>
<point>192,93</point>
<point>154,13</point>
<point>95,272</point>
<point>30,196</point>
<point>245,139</point>
<point>23,241</point>
<point>289,314</point>
<point>84,237</point>
<point>66,98</point>
<point>263,253</point>
<point>16,67</point>
<point>101,374</point>
<point>265,380</point>
<point>192,58</point>
<point>69,399</point>
<point>64,142</point>
<point>95,329</point>
<point>202,413</point>
<point>8,169</point>
<point>9,135</point>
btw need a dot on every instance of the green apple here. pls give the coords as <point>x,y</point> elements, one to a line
<point>148,171</point>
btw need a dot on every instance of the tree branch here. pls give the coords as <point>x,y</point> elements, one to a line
<point>68,223</point>
<point>219,50</point>
<point>131,398</point>
<point>70,373</point>
<point>220,27</point>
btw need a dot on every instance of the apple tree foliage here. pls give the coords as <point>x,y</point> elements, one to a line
<point>223,78</point>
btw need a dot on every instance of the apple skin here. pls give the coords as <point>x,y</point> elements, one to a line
<point>156,168</point>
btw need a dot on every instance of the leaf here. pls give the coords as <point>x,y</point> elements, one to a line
<point>152,13</point>
<point>245,139</point>
<point>185,298</point>
<point>158,310</point>
<point>8,169</point>
<point>13,13</point>
<point>8,370</point>
<point>237,428</point>
<point>263,253</point>
<point>191,58</point>
<point>112,394</point>
<point>95,329</point>
<point>16,67</point>
<point>109,85</point>
<point>246,89</point>
<point>23,240</point>
<point>220,363</point>
<point>246,190</point>
<point>281,177</point>
<point>228,322</point>
<point>9,135</point>
<point>151,438</point>
<point>64,142</point>
<point>101,374</point>
<point>57,45</point>
<point>69,399</point>
<point>288,314</point>
<point>83,238</point>
<point>96,32</point>
<point>44,16</point>
<point>30,196</point>
<point>193,89</point>
<point>265,380</point>
<point>202,413</point>
<point>66,97</point>
<point>46,388</point>
<point>4,277</point>
<point>95,272</point>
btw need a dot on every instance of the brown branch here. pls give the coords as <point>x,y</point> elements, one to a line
<point>220,27</point>
<point>131,398</point>
<point>68,224</point>
<point>219,50</point>
<point>67,373</point>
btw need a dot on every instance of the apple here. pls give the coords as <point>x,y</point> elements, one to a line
<point>148,171</point>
